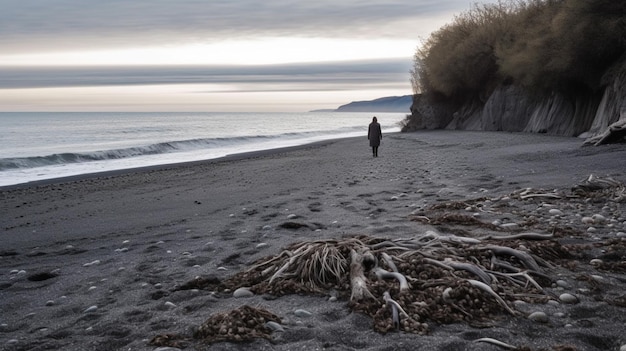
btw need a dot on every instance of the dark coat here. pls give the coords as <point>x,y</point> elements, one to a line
<point>374,134</point>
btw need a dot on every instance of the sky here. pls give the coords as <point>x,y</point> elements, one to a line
<point>210,55</point>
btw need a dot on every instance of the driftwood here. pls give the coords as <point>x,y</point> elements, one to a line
<point>358,282</point>
<point>615,133</point>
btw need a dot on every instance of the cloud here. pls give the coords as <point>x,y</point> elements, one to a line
<point>28,26</point>
<point>288,77</point>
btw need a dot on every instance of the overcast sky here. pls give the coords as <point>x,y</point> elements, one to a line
<point>211,55</point>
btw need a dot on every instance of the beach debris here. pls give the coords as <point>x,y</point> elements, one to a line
<point>432,276</point>
<point>463,269</point>
<point>497,343</point>
<point>615,133</point>
<point>91,309</point>
<point>238,325</point>
<point>242,324</point>
<point>92,263</point>
<point>169,342</point>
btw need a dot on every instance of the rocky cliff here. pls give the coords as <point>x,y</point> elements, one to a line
<point>597,117</point>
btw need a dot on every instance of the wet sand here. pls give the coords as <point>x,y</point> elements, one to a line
<point>126,241</point>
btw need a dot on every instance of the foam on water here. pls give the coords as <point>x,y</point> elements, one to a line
<point>38,146</point>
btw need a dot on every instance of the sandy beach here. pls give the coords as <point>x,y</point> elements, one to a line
<point>98,262</point>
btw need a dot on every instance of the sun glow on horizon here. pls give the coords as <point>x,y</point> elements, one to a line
<point>265,51</point>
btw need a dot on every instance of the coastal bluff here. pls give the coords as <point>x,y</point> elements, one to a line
<point>384,104</point>
<point>598,117</point>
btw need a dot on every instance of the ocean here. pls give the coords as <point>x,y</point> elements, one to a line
<point>39,146</point>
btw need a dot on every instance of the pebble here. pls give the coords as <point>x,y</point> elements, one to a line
<point>596,262</point>
<point>302,313</point>
<point>539,317</point>
<point>598,278</point>
<point>167,348</point>
<point>555,212</point>
<point>559,315</point>
<point>243,292</point>
<point>169,304</point>
<point>562,283</point>
<point>568,298</point>
<point>274,326</point>
<point>292,216</point>
<point>598,218</point>
<point>332,299</point>
<point>622,348</point>
<point>50,303</point>
<point>261,245</point>
<point>12,341</point>
<point>587,220</point>
<point>91,309</point>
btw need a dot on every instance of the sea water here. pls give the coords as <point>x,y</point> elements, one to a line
<point>38,146</point>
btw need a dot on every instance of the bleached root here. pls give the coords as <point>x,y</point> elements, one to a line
<point>527,260</point>
<point>475,270</point>
<point>383,274</point>
<point>358,282</point>
<point>524,236</point>
<point>486,288</point>
<point>396,310</point>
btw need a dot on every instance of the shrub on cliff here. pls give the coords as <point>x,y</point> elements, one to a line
<point>542,45</point>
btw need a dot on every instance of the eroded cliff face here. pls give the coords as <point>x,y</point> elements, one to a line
<point>510,108</point>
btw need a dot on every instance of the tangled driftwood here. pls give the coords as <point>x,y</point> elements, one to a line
<point>615,133</point>
<point>408,283</point>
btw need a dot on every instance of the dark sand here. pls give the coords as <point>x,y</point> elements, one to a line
<point>125,241</point>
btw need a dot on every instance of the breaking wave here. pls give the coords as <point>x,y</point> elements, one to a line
<point>162,148</point>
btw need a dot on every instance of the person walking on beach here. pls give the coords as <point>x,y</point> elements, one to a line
<point>375,135</point>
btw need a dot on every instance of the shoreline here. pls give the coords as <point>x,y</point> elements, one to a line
<point>105,257</point>
<point>118,172</point>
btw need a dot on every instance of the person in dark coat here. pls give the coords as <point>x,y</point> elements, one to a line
<point>375,135</point>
